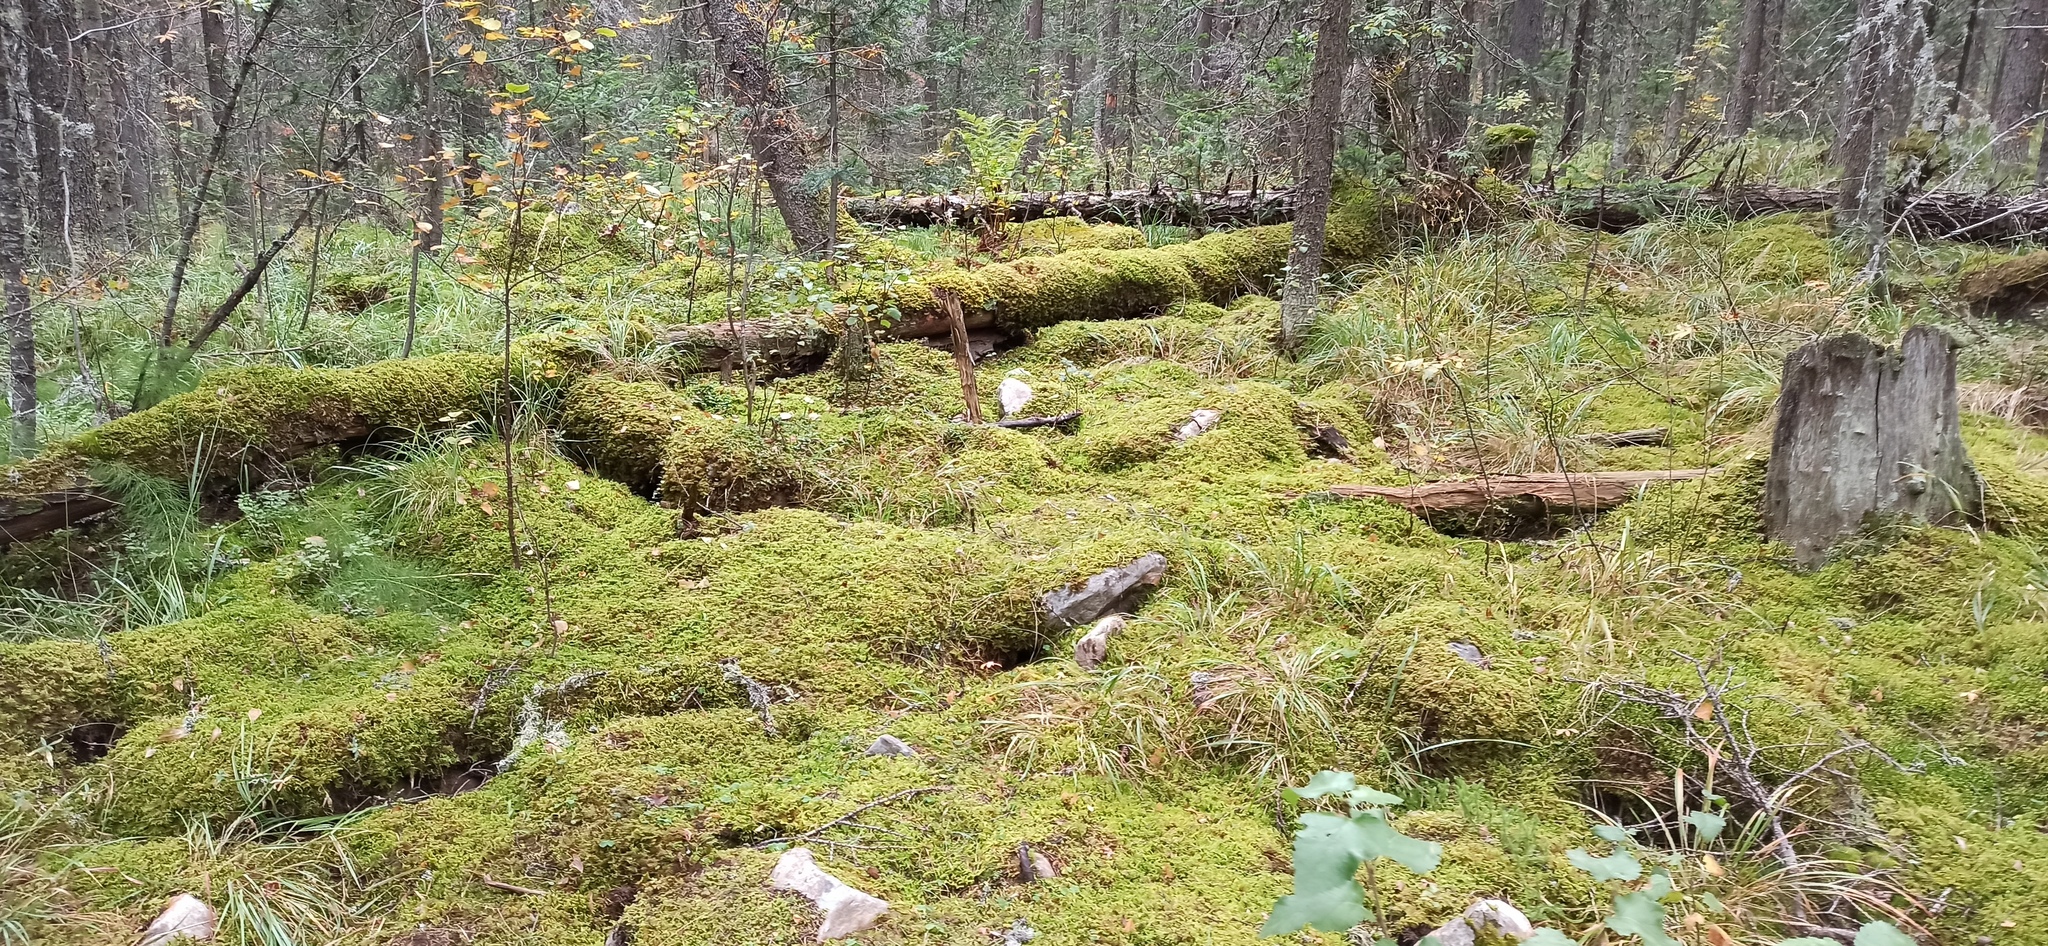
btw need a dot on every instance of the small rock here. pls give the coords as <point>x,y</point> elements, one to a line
<point>1019,933</point>
<point>1013,395</point>
<point>847,911</point>
<point>1471,654</point>
<point>1499,915</point>
<point>1033,865</point>
<point>1093,646</point>
<point>1198,423</point>
<point>185,916</point>
<point>887,745</point>
<point>1327,441</point>
<point>1119,589</point>
<point>1846,624</point>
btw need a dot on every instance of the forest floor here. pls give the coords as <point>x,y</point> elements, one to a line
<point>378,696</point>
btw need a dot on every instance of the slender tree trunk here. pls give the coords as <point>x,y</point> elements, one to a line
<point>1576,81</point>
<point>2018,93</point>
<point>775,134</point>
<point>1966,61</point>
<point>1524,23</point>
<point>222,91</point>
<point>1108,67</point>
<point>1034,44</point>
<point>1749,67</point>
<point>1318,157</point>
<point>1684,77</point>
<point>15,132</point>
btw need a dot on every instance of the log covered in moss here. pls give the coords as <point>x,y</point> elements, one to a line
<point>253,419</point>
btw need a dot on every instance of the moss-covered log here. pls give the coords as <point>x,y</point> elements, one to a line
<point>1155,205</point>
<point>1087,285</point>
<point>239,420</point>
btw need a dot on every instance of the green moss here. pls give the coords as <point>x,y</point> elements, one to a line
<point>1060,234</point>
<point>622,428</point>
<point>1782,253</point>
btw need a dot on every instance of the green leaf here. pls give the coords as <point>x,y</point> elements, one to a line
<point>1706,824</point>
<point>1327,852</point>
<point>1880,933</point>
<point>1640,914</point>
<point>1381,840</point>
<point>516,88</point>
<point>1545,936</point>
<point>1611,833</point>
<point>1328,782</point>
<point>1620,865</point>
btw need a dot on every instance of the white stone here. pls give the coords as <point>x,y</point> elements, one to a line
<point>847,911</point>
<point>186,916</point>
<point>1198,423</point>
<point>1093,646</point>
<point>1497,914</point>
<point>1013,394</point>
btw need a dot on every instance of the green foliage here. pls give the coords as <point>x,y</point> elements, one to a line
<point>1329,849</point>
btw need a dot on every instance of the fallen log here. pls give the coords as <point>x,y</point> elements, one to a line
<point>1646,437</point>
<point>1168,206</point>
<point>1947,215</point>
<point>245,421</point>
<point>1514,503</point>
<point>1026,423</point>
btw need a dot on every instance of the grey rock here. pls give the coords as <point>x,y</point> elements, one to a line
<point>1471,654</point>
<point>887,745</point>
<point>1119,589</point>
<point>1498,915</point>
<point>186,916</point>
<point>1013,395</point>
<point>1018,934</point>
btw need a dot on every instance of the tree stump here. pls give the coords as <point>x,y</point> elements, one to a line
<point>1867,431</point>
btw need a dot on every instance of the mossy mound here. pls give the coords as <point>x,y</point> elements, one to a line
<point>1771,250</point>
<point>1059,234</point>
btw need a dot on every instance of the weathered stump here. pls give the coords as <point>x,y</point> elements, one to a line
<point>1867,431</point>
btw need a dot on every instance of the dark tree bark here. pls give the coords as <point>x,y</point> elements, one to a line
<point>1524,28</point>
<point>775,134</point>
<point>1749,66</point>
<point>15,133</point>
<point>2017,95</point>
<point>1318,156</point>
<point>1966,61</point>
<point>1576,81</point>
<point>1682,86</point>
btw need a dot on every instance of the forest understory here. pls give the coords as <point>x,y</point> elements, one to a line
<point>1549,472</point>
<point>401,697</point>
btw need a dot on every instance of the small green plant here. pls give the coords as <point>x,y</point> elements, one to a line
<point>1329,849</point>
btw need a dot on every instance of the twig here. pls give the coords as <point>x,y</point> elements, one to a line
<point>496,884</point>
<point>857,812</point>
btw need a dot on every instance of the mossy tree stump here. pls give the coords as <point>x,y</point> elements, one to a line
<point>1867,431</point>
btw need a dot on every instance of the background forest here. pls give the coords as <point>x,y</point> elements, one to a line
<point>1007,471</point>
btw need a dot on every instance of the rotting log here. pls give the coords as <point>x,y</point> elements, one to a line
<point>1027,294</point>
<point>1521,496</point>
<point>240,422</point>
<point>1864,431</point>
<point>1156,205</point>
<point>1112,591</point>
<point>1944,215</point>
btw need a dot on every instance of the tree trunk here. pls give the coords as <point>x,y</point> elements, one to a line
<point>1684,76</point>
<point>1318,156</point>
<point>15,132</point>
<point>1525,42</point>
<point>221,92</point>
<point>1866,431</point>
<point>1749,67</point>
<point>2017,95</point>
<point>1576,81</point>
<point>775,134</point>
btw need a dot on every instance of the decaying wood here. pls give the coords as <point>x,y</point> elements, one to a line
<point>1864,430</point>
<point>1646,437</point>
<point>1026,423</point>
<point>1133,207</point>
<point>963,356</point>
<point>26,517</point>
<point>1114,590</point>
<point>1932,215</point>
<point>1531,493</point>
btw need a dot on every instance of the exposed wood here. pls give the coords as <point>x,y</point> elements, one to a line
<point>1026,423</point>
<point>496,884</point>
<point>1542,493</point>
<point>1647,437</point>
<point>24,518</point>
<point>1866,431</point>
<point>1159,205</point>
<point>1949,215</point>
<point>963,356</point>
